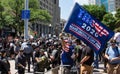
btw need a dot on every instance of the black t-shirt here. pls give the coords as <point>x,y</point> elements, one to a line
<point>87,51</point>
<point>5,65</point>
<point>79,52</point>
<point>22,60</point>
<point>36,54</point>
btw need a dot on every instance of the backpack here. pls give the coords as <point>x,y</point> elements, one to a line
<point>115,62</point>
<point>116,49</point>
<point>44,63</point>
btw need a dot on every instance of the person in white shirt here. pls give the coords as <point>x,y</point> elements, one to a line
<point>117,36</point>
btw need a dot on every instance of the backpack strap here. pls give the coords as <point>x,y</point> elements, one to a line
<point>118,51</point>
<point>107,50</point>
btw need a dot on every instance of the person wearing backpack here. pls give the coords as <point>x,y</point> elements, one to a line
<point>113,56</point>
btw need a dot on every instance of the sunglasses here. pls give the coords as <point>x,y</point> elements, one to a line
<point>113,43</point>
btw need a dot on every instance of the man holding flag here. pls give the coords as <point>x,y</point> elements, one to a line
<point>92,32</point>
<point>85,27</point>
<point>67,54</point>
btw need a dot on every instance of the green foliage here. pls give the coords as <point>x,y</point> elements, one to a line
<point>117,15</point>
<point>109,20</point>
<point>34,4</point>
<point>97,11</point>
<point>1,15</point>
<point>116,29</point>
<point>10,10</point>
<point>100,13</point>
<point>41,15</point>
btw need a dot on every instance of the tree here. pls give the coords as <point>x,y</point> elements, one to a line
<point>117,15</point>
<point>37,13</point>
<point>13,10</point>
<point>109,20</point>
<point>97,11</point>
<point>1,15</point>
<point>41,15</point>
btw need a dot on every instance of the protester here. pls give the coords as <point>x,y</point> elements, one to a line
<point>104,59</point>
<point>28,50</point>
<point>36,54</point>
<point>78,51</point>
<point>67,54</point>
<point>41,61</point>
<point>17,48</point>
<point>44,62</point>
<point>54,55</point>
<point>48,51</point>
<point>20,62</point>
<point>113,56</point>
<point>87,58</point>
<point>117,36</point>
<point>4,63</point>
<point>11,50</point>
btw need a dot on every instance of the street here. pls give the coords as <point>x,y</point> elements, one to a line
<point>13,71</point>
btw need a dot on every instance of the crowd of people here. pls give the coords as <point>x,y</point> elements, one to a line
<point>41,53</point>
<point>47,53</point>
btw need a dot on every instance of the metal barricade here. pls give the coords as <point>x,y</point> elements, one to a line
<point>39,73</point>
<point>53,71</point>
<point>62,69</point>
<point>74,70</point>
<point>65,69</point>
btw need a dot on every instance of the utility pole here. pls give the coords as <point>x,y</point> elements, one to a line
<point>26,22</point>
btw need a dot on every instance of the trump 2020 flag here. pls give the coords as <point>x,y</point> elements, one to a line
<point>85,27</point>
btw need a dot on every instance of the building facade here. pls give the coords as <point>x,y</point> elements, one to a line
<point>110,5</point>
<point>92,2</point>
<point>113,5</point>
<point>105,3</point>
<point>52,6</point>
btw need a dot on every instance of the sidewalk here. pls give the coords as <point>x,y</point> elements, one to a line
<point>96,71</point>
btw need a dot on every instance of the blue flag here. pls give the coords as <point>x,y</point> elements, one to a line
<point>84,26</point>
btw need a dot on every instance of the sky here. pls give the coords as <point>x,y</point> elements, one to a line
<point>67,5</point>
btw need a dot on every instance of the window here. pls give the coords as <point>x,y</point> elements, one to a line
<point>54,1</point>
